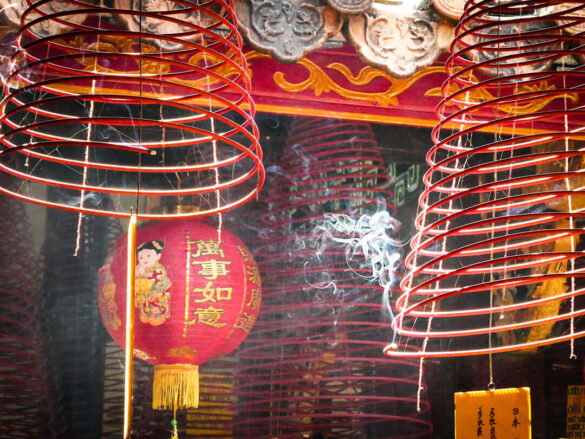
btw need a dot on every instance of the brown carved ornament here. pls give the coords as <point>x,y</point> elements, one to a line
<point>398,41</point>
<point>451,8</point>
<point>350,7</point>
<point>13,10</point>
<point>287,29</point>
<point>576,11</point>
<point>150,24</point>
<point>501,55</point>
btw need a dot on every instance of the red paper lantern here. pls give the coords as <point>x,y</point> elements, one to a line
<point>196,298</point>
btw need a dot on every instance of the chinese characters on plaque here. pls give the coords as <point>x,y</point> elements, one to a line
<point>576,412</point>
<point>493,414</point>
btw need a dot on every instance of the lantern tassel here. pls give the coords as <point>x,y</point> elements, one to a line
<point>175,385</point>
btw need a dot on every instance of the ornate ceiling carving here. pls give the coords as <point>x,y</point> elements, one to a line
<point>14,9</point>
<point>350,7</point>
<point>152,25</point>
<point>399,43</point>
<point>450,8</point>
<point>506,56</point>
<point>399,37</point>
<point>574,10</point>
<point>287,29</point>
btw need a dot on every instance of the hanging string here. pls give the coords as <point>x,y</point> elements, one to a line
<point>572,355</point>
<point>85,168</point>
<point>175,433</point>
<point>86,155</point>
<point>213,140</point>
<point>491,383</point>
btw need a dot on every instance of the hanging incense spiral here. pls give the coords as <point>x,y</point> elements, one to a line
<point>495,265</point>
<point>159,111</point>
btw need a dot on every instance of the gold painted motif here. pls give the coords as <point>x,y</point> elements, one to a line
<point>182,352</point>
<point>245,253</point>
<point>321,82</point>
<point>209,316</point>
<point>253,274</point>
<point>141,355</point>
<point>213,294</point>
<point>213,268</point>
<point>207,248</point>
<point>114,45</point>
<point>106,298</point>
<point>256,299</point>
<point>187,282</point>
<point>246,322</point>
<point>479,94</point>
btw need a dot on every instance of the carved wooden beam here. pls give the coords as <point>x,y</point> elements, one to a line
<point>287,29</point>
<point>397,41</point>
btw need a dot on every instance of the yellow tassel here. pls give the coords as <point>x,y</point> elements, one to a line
<point>175,385</point>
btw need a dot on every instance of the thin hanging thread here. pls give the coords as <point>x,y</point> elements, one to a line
<point>86,155</point>
<point>175,433</point>
<point>213,140</point>
<point>572,355</point>
<point>491,384</point>
<point>84,178</point>
<point>131,267</point>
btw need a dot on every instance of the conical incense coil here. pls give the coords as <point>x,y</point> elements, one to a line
<point>159,112</point>
<point>495,264</point>
<point>312,364</point>
<point>27,404</point>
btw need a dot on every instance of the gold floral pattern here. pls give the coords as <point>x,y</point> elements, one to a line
<point>321,82</point>
<point>480,94</point>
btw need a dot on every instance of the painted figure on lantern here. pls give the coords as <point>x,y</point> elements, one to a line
<point>152,284</point>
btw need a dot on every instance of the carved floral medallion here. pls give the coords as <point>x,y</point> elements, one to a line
<point>575,10</point>
<point>74,15</point>
<point>451,8</point>
<point>503,51</point>
<point>287,29</point>
<point>399,42</point>
<point>180,23</point>
<point>350,7</point>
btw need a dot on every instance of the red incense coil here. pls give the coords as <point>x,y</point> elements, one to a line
<point>495,265</point>
<point>312,363</point>
<point>160,111</point>
<point>27,409</point>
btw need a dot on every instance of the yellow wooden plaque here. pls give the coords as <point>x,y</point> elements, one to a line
<point>493,414</point>
<point>576,412</point>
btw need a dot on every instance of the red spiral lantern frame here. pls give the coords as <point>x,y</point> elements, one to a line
<point>190,105</point>
<point>312,362</point>
<point>497,219</point>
